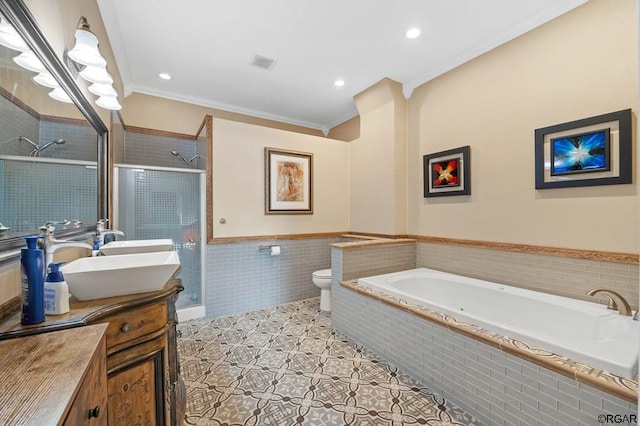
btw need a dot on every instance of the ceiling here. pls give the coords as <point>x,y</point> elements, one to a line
<point>208,47</point>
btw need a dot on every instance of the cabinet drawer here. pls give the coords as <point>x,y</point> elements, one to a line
<point>135,323</point>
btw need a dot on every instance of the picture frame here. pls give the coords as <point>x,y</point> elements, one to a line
<point>447,173</point>
<point>587,152</point>
<point>288,182</point>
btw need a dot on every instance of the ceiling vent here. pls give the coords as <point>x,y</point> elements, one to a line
<point>263,62</point>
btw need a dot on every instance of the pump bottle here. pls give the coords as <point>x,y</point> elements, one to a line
<point>32,268</point>
<point>56,291</point>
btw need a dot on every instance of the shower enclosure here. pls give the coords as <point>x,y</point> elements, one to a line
<point>161,202</point>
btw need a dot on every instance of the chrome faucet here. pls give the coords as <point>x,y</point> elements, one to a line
<point>49,244</point>
<point>616,301</point>
<point>101,231</point>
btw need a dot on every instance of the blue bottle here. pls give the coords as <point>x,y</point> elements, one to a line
<point>32,263</point>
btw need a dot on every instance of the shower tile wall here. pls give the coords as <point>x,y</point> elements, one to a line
<point>165,204</point>
<point>551,274</point>
<point>47,192</point>
<point>155,150</point>
<point>81,141</point>
<point>16,122</point>
<point>240,278</point>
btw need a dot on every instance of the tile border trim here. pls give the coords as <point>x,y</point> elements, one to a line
<point>621,387</point>
<point>605,256</point>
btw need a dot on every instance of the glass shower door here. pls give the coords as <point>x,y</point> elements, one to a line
<point>158,203</point>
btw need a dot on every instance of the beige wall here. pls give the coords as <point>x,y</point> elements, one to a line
<point>238,181</point>
<point>174,116</point>
<point>347,130</point>
<point>378,202</point>
<point>582,64</point>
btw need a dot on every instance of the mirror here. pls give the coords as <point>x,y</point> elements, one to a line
<point>52,154</point>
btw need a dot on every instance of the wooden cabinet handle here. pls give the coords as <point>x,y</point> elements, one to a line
<point>94,412</point>
<point>126,327</point>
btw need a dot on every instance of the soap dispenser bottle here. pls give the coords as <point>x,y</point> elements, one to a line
<point>32,268</point>
<point>56,291</point>
<point>96,247</point>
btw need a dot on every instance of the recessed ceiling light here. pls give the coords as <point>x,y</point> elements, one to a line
<point>339,83</point>
<point>165,76</point>
<point>413,33</point>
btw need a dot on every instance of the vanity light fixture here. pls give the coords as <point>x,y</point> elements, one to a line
<point>101,89</point>
<point>60,95</point>
<point>96,75</point>
<point>29,61</point>
<point>85,60</point>
<point>10,38</point>
<point>413,33</point>
<point>86,51</point>
<point>46,79</point>
<point>109,102</point>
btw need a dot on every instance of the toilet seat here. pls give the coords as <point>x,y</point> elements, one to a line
<point>323,273</point>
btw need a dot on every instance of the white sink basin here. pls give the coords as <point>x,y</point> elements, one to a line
<point>107,276</point>
<point>136,246</point>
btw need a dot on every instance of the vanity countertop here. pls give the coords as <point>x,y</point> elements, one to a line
<point>40,375</point>
<point>82,312</point>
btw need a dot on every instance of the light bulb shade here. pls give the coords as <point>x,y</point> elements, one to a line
<point>96,75</point>
<point>45,79</point>
<point>100,89</point>
<point>30,61</point>
<point>10,38</point>
<point>86,51</point>
<point>60,95</point>
<point>109,102</point>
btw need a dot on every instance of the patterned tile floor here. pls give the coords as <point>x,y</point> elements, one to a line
<point>286,366</point>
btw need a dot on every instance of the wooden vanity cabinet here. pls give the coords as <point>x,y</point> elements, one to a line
<point>49,379</point>
<point>142,359</point>
<point>143,381</point>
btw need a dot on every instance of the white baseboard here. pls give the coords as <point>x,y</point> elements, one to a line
<point>194,312</point>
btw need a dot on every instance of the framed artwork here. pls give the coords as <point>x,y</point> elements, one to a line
<point>288,182</point>
<point>587,152</point>
<point>447,172</point>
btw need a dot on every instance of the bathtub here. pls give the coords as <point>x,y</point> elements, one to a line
<point>586,332</point>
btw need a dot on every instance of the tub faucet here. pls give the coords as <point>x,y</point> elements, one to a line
<point>50,244</point>
<point>616,301</point>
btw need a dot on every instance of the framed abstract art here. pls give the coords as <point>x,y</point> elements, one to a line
<point>447,172</point>
<point>587,152</point>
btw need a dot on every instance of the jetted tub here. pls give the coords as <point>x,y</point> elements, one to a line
<point>583,331</point>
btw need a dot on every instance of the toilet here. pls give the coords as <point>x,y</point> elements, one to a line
<point>322,279</point>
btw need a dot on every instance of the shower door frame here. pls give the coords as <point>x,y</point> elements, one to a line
<point>190,312</point>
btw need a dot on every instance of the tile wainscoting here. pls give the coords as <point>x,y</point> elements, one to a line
<point>240,278</point>
<point>497,387</point>
<point>563,276</point>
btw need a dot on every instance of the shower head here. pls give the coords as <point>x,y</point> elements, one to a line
<point>193,158</point>
<point>23,138</point>
<point>48,144</point>
<point>177,154</point>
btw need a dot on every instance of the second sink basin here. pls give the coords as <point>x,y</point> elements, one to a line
<point>107,276</point>
<point>136,246</point>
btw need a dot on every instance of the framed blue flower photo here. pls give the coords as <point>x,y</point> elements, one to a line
<point>587,152</point>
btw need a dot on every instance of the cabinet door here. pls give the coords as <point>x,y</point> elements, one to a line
<point>135,394</point>
<point>90,405</point>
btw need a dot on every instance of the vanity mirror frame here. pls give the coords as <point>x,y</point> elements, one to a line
<point>19,16</point>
